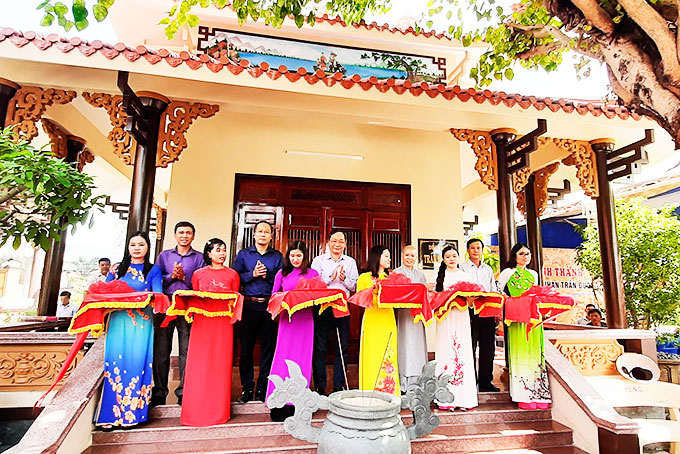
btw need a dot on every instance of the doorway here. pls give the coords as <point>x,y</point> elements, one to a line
<point>309,209</point>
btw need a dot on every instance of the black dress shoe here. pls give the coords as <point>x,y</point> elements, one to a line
<point>155,401</point>
<point>260,395</point>
<point>489,389</point>
<point>245,397</point>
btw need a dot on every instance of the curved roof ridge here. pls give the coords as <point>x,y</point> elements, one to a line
<point>399,86</point>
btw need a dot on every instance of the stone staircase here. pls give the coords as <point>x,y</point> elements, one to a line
<point>496,426</point>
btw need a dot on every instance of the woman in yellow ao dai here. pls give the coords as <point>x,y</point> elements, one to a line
<point>378,367</point>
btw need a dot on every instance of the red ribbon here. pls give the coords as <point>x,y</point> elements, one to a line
<point>308,293</point>
<point>211,304</point>
<point>102,298</point>
<point>535,304</point>
<point>396,291</point>
<point>462,295</point>
<point>75,348</point>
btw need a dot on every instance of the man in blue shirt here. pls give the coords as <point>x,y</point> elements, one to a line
<point>257,266</point>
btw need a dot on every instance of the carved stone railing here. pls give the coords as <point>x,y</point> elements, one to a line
<point>30,361</point>
<point>67,419</point>
<point>575,355</point>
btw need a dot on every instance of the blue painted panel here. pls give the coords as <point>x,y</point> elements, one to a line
<point>556,233</point>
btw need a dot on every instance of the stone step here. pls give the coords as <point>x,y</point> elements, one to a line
<point>493,437</point>
<point>502,396</point>
<point>555,450</point>
<point>173,411</point>
<point>252,419</point>
<point>247,433</point>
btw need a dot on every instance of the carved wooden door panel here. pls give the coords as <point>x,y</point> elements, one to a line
<point>247,215</point>
<point>353,224</point>
<point>391,231</point>
<point>305,224</point>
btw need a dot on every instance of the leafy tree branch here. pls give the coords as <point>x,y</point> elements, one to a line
<point>649,243</point>
<point>39,194</point>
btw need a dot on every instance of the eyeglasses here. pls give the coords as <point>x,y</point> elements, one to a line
<point>524,254</point>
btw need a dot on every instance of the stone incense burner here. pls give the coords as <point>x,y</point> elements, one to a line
<point>360,421</point>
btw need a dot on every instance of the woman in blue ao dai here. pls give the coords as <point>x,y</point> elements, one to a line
<point>126,391</point>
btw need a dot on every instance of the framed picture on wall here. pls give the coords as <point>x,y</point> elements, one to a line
<point>430,251</point>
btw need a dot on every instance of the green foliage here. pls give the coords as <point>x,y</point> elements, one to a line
<point>76,15</point>
<point>526,33</point>
<point>273,12</point>
<point>38,190</point>
<point>649,243</point>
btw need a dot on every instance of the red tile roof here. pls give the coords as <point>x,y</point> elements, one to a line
<point>385,27</point>
<point>195,62</point>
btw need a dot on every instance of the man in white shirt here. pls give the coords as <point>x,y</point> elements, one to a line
<point>100,275</point>
<point>338,271</point>
<point>66,309</point>
<point>483,328</point>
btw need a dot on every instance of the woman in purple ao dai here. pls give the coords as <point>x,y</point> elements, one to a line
<point>295,339</point>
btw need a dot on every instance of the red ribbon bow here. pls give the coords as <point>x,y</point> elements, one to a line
<point>308,293</point>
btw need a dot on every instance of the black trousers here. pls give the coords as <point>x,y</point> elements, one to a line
<point>484,337</point>
<point>324,328</point>
<point>256,323</point>
<point>162,347</point>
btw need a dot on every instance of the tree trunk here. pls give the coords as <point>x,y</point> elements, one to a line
<point>635,81</point>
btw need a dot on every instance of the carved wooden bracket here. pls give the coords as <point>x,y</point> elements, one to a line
<point>59,140</point>
<point>122,140</point>
<point>541,179</point>
<point>583,157</point>
<point>485,150</point>
<point>580,152</point>
<point>28,105</point>
<point>159,219</point>
<point>84,157</point>
<point>591,356</point>
<point>58,137</point>
<point>176,119</point>
<point>520,179</point>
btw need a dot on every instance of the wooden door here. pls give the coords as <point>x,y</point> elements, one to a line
<point>247,215</point>
<point>305,224</point>
<point>391,231</point>
<point>353,225</point>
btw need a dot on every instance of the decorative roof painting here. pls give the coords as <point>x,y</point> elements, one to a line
<point>331,59</point>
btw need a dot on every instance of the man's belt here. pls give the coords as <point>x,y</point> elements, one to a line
<point>256,299</point>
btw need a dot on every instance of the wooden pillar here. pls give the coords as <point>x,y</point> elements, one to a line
<point>614,299</point>
<point>507,231</point>
<point>54,257</point>
<point>161,218</point>
<point>7,91</point>
<point>534,239</point>
<point>144,173</point>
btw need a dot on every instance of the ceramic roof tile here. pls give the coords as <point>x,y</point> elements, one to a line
<point>385,27</point>
<point>398,86</point>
